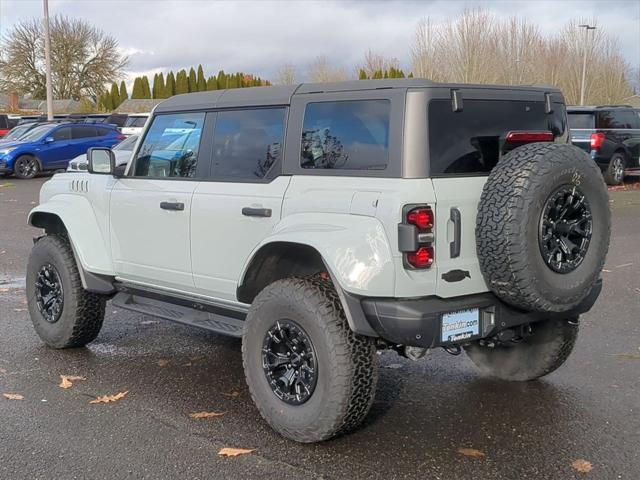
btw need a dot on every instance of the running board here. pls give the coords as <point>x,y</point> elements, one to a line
<point>214,322</point>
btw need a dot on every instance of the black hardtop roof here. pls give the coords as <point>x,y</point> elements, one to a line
<point>591,108</point>
<point>281,95</point>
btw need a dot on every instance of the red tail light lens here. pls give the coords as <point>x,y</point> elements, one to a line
<point>597,139</point>
<point>121,137</point>
<point>529,137</point>
<point>421,258</point>
<point>421,218</point>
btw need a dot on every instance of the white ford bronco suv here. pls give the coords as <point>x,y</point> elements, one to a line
<point>324,222</point>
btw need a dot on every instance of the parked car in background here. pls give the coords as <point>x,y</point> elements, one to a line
<point>18,131</point>
<point>611,135</point>
<point>51,146</point>
<point>135,123</point>
<point>7,122</point>
<point>122,152</point>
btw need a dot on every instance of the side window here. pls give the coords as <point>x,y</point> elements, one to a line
<point>63,133</point>
<point>170,147</point>
<point>348,135</point>
<point>247,143</point>
<point>79,132</point>
<point>103,132</point>
<point>612,119</point>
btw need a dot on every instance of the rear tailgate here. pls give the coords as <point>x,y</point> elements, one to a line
<point>581,138</point>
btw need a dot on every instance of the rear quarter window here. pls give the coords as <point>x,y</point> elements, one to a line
<point>471,141</point>
<point>347,135</point>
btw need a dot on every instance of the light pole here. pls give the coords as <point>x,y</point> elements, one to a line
<point>47,60</point>
<point>584,59</point>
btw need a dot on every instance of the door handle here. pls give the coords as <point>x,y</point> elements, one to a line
<point>179,206</point>
<point>456,218</point>
<point>256,212</point>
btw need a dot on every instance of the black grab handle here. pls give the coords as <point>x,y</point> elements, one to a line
<point>256,212</point>
<point>456,218</point>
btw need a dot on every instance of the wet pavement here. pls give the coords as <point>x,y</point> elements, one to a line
<point>423,413</point>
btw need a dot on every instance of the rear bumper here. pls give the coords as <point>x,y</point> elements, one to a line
<point>416,322</point>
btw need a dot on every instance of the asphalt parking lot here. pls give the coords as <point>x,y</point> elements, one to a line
<point>424,411</point>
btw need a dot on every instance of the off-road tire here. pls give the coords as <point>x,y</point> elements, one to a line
<point>346,362</point>
<point>614,174</point>
<point>17,170</point>
<point>509,221</point>
<point>546,349</point>
<point>82,312</point>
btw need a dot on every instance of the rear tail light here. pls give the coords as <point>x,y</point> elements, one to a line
<point>421,258</point>
<point>415,237</point>
<point>520,138</point>
<point>121,137</point>
<point>597,139</point>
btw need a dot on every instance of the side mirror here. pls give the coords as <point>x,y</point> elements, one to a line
<point>49,140</point>
<point>101,161</point>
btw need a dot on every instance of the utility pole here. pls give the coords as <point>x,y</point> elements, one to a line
<point>47,60</point>
<point>584,59</point>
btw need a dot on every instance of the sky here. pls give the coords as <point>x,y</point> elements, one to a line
<point>259,36</point>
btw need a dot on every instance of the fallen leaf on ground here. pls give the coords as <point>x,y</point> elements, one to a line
<point>232,393</point>
<point>163,362</point>
<point>627,356</point>
<point>2,370</point>
<point>110,398</point>
<point>234,452</point>
<point>393,366</point>
<point>606,271</point>
<point>471,452</point>
<point>67,380</point>
<point>637,290</point>
<point>188,364</point>
<point>4,290</point>
<point>19,309</point>
<point>13,396</point>
<point>2,252</point>
<point>581,465</point>
<point>206,414</point>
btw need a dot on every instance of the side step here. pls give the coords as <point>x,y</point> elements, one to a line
<point>214,322</point>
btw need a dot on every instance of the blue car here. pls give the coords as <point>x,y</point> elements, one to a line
<point>51,146</point>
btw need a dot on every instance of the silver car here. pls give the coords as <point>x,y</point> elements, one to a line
<point>122,151</point>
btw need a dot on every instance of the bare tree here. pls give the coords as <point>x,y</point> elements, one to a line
<point>83,60</point>
<point>426,53</point>
<point>374,62</point>
<point>285,75</point>
<point>321,70</point>
<point>515,52</point>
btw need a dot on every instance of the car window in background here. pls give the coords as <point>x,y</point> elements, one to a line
<point>128,144</point>
<point>78,132</point>
<point>348,135</point>
<point>611,119</point>
<point>579,121</point>
<point>36,133</point>
<point>63,133</point>
<point>247,143</point>
<point>170,147</point>
<point>135,122</point>
<point>17,132</point>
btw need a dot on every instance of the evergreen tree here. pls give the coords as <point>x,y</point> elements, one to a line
<point>182,82</point>
<point>138,91</point>
<point>106,101</point>
<point>202,83</point>
<point>146,89</point>
<point>193,81</point>
<point>362,75</point>
<point>123,92</point>
<point>410,75</point>
<point>222,80</point>
<point>115,95</point>
<point>212,83</point>
<point>170,86</point>
<point>158,86</point>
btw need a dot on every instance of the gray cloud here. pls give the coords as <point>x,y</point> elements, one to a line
<point>257,36</point>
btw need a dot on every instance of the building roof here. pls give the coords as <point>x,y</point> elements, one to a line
<point>137,105</point>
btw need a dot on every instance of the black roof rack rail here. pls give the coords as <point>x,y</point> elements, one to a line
<point>613,106</point>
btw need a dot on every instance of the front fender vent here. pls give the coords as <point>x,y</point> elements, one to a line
<point>79,186</point>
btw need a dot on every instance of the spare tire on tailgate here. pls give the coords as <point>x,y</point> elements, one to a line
<point>542,231</point>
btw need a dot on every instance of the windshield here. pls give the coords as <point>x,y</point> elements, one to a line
<point>135,122</point>
<point>36,133</point>
<point>127,144</point>
<point>17,132</point>
<point>579,121</point>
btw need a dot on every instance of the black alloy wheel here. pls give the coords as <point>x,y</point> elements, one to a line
<point>49,293</point>
<point>289,362</point>
<point>566,226</point>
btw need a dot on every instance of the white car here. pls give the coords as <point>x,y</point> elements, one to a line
<point>323,222</point>
<point>122,153</point>
<point>134,124</point>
